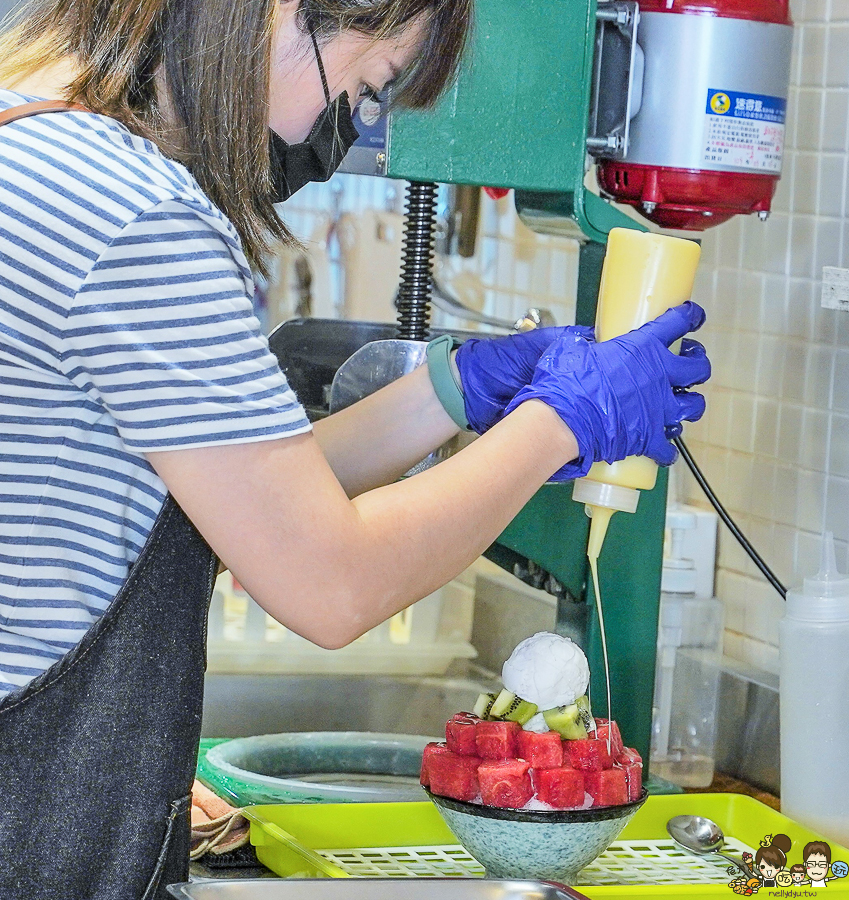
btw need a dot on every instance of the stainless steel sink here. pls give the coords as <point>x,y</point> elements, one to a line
<point>244,705</point>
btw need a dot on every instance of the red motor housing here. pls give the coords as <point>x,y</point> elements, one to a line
<point>707,141</point>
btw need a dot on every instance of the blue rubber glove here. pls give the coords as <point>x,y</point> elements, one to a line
<point>626,396</point>
<point>493,370</point>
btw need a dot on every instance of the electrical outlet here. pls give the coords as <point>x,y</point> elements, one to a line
<point>835,288</point>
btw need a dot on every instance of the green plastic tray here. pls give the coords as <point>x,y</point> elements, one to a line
<point>392,839</point>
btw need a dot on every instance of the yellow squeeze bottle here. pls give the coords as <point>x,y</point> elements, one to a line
<point>643,276</point>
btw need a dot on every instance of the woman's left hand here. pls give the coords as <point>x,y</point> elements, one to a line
<point>494,370</point>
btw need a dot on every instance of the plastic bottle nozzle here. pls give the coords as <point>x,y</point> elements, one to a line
<point>828,561</point>
<point>825,596</point>
<point>599,520</point>
<point>828,582</point>
<point>601,501</point>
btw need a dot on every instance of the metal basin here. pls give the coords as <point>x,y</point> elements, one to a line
<point>244,705</point>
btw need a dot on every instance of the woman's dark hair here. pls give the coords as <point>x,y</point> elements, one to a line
<point>775,854</point>
<point>214,58</point>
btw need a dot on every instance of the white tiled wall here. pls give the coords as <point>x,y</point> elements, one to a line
<point>516,268</point>
<point>775,440</point>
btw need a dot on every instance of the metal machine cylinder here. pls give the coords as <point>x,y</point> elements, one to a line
<point>708,139</point>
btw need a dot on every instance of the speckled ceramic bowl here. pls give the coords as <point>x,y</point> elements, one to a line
<point>511,843</point>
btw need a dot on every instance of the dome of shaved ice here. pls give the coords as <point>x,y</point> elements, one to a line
<point>548,670</point>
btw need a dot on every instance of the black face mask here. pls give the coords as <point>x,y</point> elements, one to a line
<point>319,156</point>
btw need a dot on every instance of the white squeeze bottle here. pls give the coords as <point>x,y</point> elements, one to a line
<point>814,697</point>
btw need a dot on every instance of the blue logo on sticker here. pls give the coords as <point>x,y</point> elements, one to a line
<point>757,107</point>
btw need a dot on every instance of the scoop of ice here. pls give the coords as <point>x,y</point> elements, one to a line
<point>542,806</point>
<point>536,803</point>
<point>537,724</point>
<point>548,670</point>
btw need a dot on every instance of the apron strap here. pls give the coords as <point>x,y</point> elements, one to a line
<point>39,106</point>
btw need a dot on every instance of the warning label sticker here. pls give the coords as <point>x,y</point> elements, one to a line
<point>745,131</point>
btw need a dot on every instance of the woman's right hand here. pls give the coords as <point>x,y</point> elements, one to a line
<point>626,396</point>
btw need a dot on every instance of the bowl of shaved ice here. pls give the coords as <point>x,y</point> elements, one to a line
<point>530,782</point>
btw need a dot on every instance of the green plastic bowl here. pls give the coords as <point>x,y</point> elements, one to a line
<point>537,844</point>
<point>317,767</point>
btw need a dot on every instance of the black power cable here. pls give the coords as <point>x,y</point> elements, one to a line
<point>723,514</point>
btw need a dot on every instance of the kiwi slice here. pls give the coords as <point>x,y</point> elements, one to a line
<point>512,708</point>
<point>586,714</point>
<point>521,711</point>
<point>566,721</point>
<point>483,705</point>
<point>502,704</point>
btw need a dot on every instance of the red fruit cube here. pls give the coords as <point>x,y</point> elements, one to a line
<point>588,755</point>
<point>604,727</point>
<point>562,788</point>
<point>630,762</point>
<point>607,788</point>
<point>505,783</point>
<point>542,751</point>
<point>497,740</point>
<point>460,734</point>
<point>628,756</point>
<point>430,750</point>
<point>454,775</point>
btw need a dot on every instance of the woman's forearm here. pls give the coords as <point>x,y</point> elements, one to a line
<point>429,528</point>
<point>329,567</point>
<point>375,441</point>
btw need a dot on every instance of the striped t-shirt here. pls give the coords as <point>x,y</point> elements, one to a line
<point>126,325</point>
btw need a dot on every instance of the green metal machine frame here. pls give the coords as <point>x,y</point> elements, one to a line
<point>517,117</point>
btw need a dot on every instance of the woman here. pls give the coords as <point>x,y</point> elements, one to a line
<point>133,371</point>
<point>771,858</point>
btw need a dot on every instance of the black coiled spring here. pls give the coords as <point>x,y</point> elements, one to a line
<point>417,262</point>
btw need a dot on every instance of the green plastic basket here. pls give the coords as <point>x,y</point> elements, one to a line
<point>410,839</point>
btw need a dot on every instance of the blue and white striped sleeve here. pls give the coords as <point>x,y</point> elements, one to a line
<point>162,336</point>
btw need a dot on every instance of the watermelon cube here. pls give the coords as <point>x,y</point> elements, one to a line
<point>430,750</point>
<point>607,788</point>
<point>632,765</point>
<point>605,727</point>
<point>454,775</point>
<point>562,788</point>
<point>497,740</point>
<point>588,755</point>
<point>542,751</point>
<point>628,756</point>
<point>460,734</point>
<point>505,783</point>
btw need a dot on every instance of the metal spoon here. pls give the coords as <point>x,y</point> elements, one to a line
<point>703,837</point>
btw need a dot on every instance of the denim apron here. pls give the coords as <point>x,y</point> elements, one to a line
<point>98,753</point>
